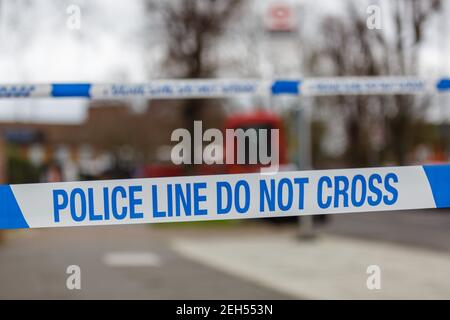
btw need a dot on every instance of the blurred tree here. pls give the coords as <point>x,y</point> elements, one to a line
<point>19,169</point>
<point>350,48</point>
<point>191,28</point>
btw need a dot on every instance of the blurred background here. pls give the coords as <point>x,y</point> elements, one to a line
<point>41,140</point>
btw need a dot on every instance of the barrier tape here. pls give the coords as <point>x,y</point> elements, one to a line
<point>216,88</point>
<point>201,198</point>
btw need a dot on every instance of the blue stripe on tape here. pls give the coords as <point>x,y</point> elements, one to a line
<point>71,90</point>
<point>443,84</point>
<point>439,179</point>
<point>286,87</point>
<point>11,216</point>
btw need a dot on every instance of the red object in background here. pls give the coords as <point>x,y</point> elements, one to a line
<point>280,18</point>
<point>258,120</point>
<point>438,155</point>
<point>162,170</point>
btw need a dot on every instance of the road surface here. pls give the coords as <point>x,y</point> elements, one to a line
<point>429,229</point>
<point>34,262</point>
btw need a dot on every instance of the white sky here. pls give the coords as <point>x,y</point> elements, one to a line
<point>42,49</point>
<point>112,45</point>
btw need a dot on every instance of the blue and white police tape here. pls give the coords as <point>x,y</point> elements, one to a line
<point>217,88</point>
<point>200,198</point>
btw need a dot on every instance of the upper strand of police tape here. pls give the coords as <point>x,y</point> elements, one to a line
<point>218,88</point>
<point>220,197</point>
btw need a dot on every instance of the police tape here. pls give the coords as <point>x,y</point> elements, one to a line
<point>221,88</point>
<point>222,197</point>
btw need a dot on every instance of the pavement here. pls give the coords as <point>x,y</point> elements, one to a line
<point>118,262</point>
<point>328,267</point>
<point>253,260</point>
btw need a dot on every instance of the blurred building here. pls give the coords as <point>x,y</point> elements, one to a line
<point>114,134</point>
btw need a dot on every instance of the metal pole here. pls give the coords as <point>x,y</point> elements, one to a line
<point>305,223</point>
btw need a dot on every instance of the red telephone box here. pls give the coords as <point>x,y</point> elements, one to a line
<point>258,120</point>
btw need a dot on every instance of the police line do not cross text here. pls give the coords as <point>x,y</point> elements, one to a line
<point>218,197</point>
